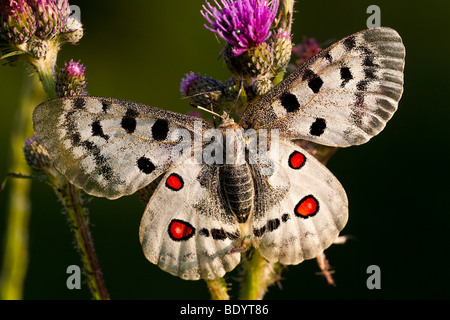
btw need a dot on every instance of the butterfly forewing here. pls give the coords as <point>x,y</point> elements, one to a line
<point>110,147</point>
<point>342,96</point>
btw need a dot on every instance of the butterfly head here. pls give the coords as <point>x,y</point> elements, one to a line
<point>228,122</point>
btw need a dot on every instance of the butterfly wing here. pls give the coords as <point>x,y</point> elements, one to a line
<point>187,228</point>
<point>342,96</point>
<point>110,147</point>
<point>300,207</point>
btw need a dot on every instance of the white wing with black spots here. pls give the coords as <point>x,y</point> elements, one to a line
<point>110,147</point>
<point>342,96</point>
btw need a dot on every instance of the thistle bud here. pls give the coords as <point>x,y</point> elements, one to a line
<point>73,31</point>
<point>282,48</point>
<point>262,86</point>
<point>71,80</point>
<point>36,156</point>
<point>202,90</point>
<point>37,48</point>
<point>208,92</point>
<point>17,21</point>
<point>252,63</point>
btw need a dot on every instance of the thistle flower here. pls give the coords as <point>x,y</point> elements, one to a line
<point>64,9</point>
<point>71,80</point>
<point>17,21</point>
<point>49,17</point>
<point>244,24</point>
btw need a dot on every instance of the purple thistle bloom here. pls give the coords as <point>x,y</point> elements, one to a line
<point>244,24</point>
<point>74,68</point>
<point>17,21</point>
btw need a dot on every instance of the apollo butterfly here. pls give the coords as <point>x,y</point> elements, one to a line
<point>289,206</point>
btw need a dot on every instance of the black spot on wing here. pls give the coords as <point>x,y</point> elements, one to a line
<point>220,234</point>
<point>145,165</point>
<point>128,122</point>
<point>76,139</point>
<point>79,103</point>
<point>97,130</point>
<point>362,85</point>
<point>270,226</point>
<point>290,102</point>
<point>318,127</point>
<point>314,81</point>
<point>369,73</point>
<point>100,161</point>
<point>160,129</point>
<point>346,76</point>
<point>349,43</point>
<point>105,106</point>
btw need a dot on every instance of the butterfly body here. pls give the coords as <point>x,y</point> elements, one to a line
<point>243,182</point>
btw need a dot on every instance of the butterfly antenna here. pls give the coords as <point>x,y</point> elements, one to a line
<point>214,114</point>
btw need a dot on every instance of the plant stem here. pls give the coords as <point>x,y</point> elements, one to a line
<point>78,219</point>
<point>218,289</point>
<point>259,274</point>
<point>15,259</point>
<point>45,69</point>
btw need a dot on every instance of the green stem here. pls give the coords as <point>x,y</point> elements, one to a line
<point>218,289</point>
<point>45,69</point>
<point>286,9</point>
<point>15,259</point>
<point>78,219</point>
<point>259,274</point>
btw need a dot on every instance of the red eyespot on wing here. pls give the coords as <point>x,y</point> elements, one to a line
<point>180,230</point>
<point>296,160</point>
<point>174,182</point>
<point>307,207</point>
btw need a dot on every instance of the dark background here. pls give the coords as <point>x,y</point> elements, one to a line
<point>397,184</point>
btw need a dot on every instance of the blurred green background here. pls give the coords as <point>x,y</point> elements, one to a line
<point>397,184</point>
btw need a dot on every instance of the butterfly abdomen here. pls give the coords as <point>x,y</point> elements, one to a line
<point>237,188</point>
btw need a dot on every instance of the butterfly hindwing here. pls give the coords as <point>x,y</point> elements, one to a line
<point>342,96</point>
<point>109,147</point>
<point>307,215</point>
<point>187,228</point>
